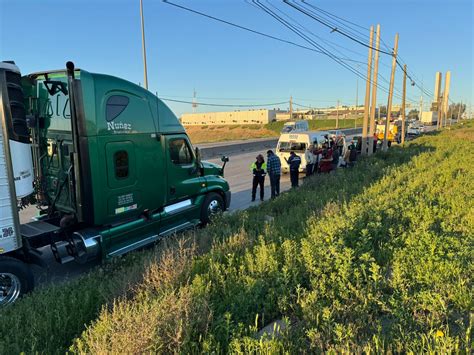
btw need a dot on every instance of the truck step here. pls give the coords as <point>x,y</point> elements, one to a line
<point>37,228</point>
<point>61,252</point>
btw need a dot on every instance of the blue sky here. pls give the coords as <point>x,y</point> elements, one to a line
<point>231,66</point>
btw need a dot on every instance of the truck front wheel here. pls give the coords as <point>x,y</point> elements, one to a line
<point>213,204</point>
<point>16,279</point>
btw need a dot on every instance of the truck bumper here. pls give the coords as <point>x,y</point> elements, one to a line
<point>228,197</point>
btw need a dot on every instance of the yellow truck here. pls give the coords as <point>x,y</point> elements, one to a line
<point>394,132</point>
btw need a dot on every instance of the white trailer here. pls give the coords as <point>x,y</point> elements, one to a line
<point>429,117</point>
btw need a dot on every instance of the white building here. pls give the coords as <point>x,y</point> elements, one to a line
<point>259,116</point>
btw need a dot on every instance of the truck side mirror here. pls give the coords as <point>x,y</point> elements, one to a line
<point>224,159</point>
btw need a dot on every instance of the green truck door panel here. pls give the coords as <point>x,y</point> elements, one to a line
<point>183,177</point>
<point>124,191</point>
<point>136,182</point>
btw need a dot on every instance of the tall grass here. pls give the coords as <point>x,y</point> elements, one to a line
<point>374,258</point>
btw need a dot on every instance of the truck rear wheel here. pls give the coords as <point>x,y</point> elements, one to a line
<point>16,279</point>
<point>213,204</point>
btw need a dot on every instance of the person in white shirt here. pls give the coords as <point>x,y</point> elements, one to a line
<point>311,160</point>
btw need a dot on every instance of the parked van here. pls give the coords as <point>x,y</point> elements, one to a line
<point>295,126</point>
<point>298,142</point>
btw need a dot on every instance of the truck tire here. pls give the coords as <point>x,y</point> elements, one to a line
<point>213,204</point>
<point>16,279</point>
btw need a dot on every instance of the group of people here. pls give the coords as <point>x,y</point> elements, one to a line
<point>330,155</point>
<point>320,158</point>
<point>260,169</point>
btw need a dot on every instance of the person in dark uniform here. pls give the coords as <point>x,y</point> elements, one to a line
<point>259,170</point>
<point>294,162</point>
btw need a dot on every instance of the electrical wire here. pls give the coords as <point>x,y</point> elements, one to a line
<point>248,29</point>
<point>309,40</point>
<point>318,49</point>
<point>399,60</point>
<point>333,28</point>
<point>224,105</point>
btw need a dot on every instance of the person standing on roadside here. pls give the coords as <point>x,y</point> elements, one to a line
<point>294,162</point>
<point>274,172</point>
<point>259,170</point>
<point>325,164</point>
<point>310,160</point>
<point>318,153</point>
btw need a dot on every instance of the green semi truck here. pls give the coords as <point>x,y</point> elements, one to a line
<point>107,163</point>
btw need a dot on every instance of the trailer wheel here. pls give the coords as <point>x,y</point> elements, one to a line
<point>16,279</point>
<point>213,204</point>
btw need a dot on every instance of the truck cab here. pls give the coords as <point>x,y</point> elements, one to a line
<point>111,169</point>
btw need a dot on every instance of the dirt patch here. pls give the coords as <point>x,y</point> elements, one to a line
<point>209,134</point>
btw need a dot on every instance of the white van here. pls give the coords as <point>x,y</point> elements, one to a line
<point>298,142</point>
<point>295,126</point>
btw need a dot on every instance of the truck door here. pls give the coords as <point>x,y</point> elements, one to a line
<point>183,177</point>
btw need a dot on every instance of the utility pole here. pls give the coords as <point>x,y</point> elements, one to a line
<point>403,101</point>
<point>421,101</point>
<point>447,83</point>
<point>440,112</point>
<point>390,94</point>
<point>194,104</point>
<point>437,97</point>
<point>145,75</point>
<point>421,108</point>
<point>337,114</point>
<point>291,108</point>
<point>365,122</point>
<point>459,112</point>
<point>374,93</point>
<point>357,102</point>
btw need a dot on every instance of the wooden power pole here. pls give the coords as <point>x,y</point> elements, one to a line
<point>374,93</point>
<point>291,108</point>
<point>447,83</point>
<point>438,96</point>
<point>459,113</point>
<point>404,93</point>
<point>365,123</point>
<point>390,94</point>
<point>337,114</point>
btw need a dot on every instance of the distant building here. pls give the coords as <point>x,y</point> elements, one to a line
<point>230,117</point>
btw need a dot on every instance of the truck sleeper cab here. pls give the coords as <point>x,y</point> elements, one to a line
<point>114,170</point>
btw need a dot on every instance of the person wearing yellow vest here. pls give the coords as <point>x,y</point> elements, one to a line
<point>259,170</point>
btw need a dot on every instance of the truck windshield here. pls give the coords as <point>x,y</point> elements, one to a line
<point>292,146</point>
<point>287,129</point>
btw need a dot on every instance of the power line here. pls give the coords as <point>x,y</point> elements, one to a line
<point>400,61</point>
<point>249,29</point>
<point>311,14</point>
<point>220,98</point>
<point>334,28</point>
<point>309,40</point>
<point>224,105</point>
<point>319,49</point>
